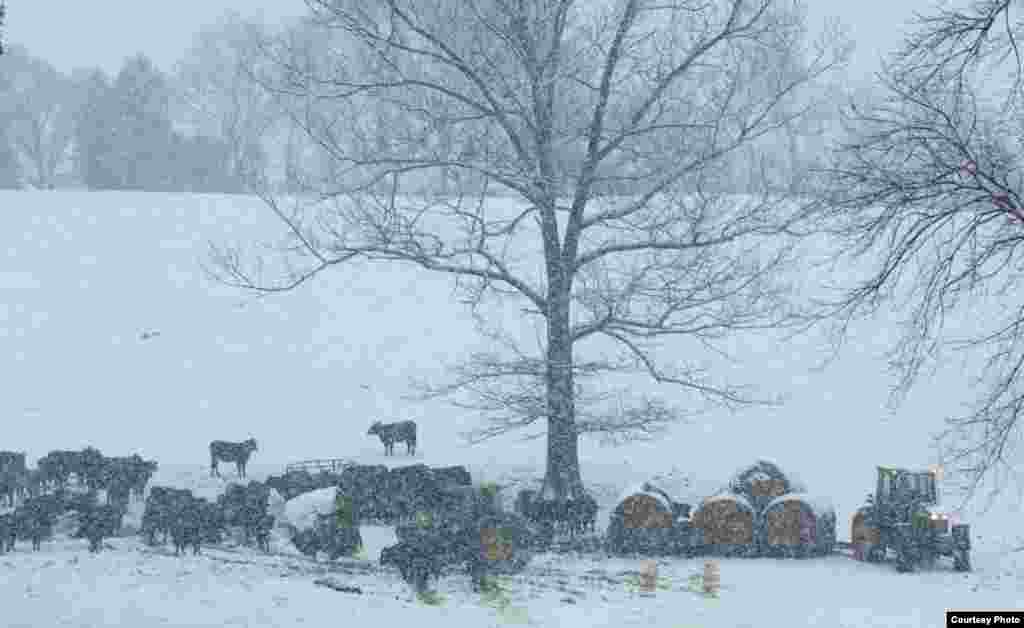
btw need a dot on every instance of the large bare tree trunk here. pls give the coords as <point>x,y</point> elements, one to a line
<point>562,473</point>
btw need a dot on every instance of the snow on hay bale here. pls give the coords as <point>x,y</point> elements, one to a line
<point>762,482</point>
<point>301,512</point>
<point>798,525</point>
<point>311,521</point>
<point>641,522</point>
<point>724,524</point>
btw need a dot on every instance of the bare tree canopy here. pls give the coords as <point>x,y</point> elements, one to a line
<point>568,156</point>
<point>928,187</point>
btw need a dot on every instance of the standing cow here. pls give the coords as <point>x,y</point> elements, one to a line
<point>225,451</point>
<point>391,433</point>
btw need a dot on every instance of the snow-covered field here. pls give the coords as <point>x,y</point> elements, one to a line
<point>85,278</point>
<point>130,584</point>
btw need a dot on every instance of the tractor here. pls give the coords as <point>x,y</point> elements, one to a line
<point>901,516</point>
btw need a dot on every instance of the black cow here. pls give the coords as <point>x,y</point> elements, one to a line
<point>57,466</point>
<point>245,506</point>
<point>128,476</point>
<point>582,514</point>
<point>225,451</point>
<point>263,528</point>
<point>90,467</point>
<point>97,522</point>
<point>12,461</point>
<point>10,487</point>
<point>452,537</point>
<point>31,483</point>
<point>161,507</point>
<point>391,433</point>
<point>367,485</point>
<point>415,562</point>
<point>36,517</point>
<point>186,525</point>
<point>524,506</point>
<point>8,532</point>
<point>12,469</point>
<point>212,522</point>
<point>411,489</point>
<point>453,476</point>
<point>577,515</point>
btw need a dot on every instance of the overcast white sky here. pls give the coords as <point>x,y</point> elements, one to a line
<point>102,32</point>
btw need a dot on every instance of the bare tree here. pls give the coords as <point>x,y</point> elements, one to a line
<point>608,124</point>
<point>39,107</point>
<point>928,187</point>
<point>217,98</point>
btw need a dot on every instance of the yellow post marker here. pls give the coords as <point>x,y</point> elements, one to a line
<point>712,578</point>
<point>648,576</point>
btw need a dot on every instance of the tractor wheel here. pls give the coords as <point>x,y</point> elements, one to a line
<point>961,559</point>
<point>904,564</point>
<point>905,557</point>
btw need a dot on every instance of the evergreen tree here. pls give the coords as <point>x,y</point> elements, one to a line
<point>143,136</point>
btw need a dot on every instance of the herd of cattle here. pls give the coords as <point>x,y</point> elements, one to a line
<point>39,497</point>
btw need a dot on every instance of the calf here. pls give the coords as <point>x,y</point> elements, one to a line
<point>391,433</point>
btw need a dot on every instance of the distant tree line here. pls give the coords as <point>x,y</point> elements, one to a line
<point>112,133</point>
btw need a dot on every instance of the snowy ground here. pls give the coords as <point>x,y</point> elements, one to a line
<point>130,584</point>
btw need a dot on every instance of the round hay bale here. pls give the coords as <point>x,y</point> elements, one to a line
<point>725,525</point>
<point>864,537</point>
<point>797,526</point>
<point>642,523</point>
<point>645,512</point>
<point>762,482</point>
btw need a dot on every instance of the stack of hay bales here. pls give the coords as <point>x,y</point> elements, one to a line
<point>764,512</point>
